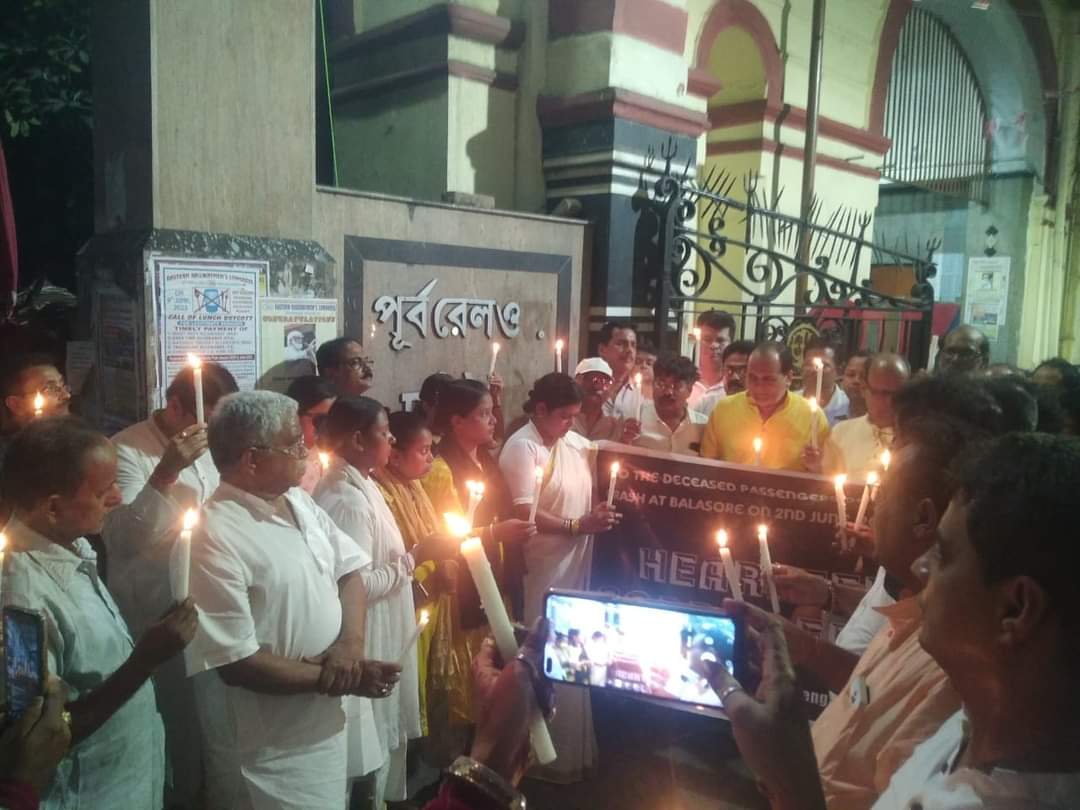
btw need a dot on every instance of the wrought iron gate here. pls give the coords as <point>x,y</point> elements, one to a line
<point>701,225</point>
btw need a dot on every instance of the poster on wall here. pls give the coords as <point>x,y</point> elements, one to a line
<point>116,333</point>
<point>987,298</point>
<point>292,331</point>
<point>209,308</point>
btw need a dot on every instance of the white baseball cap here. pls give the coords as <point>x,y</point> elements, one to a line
<point>597,364</point>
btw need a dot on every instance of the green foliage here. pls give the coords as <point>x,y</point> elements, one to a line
<point>44,63</point>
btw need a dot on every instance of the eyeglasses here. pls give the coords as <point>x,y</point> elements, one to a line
<point>298,450</point>
<point>358,362</point>
<point>55,390</point>
<point>668,385</point>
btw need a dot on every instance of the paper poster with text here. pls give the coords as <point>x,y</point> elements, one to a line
<point>986,301</point>
<point>211,309</point>
<point>292,331</point>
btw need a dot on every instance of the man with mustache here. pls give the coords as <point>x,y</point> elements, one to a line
<point>667,423</point>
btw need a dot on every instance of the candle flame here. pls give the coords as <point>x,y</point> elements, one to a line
<point>479,487</point>
<point>763,532</point>
<point>194,361</point>
<point>456,524</point>
<point>871,478</point>
<point>757,444</point>
<point>818,363</point>
<point>324,459</point>
<point>538,474</point>
<point>191,517</point>
<point>697,334</point>
<point>424,617</point>
<point>39,401</point>
<point>637,380</point>
<point>886,457</point>
<point>614,468</point>
<point>558,345</point>
<point>3,542</point>
<point>813,403</point>
<point>721,538</point>
<point>840,480</point>
<point>495,347</point>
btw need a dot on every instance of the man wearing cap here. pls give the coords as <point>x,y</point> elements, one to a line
<point>594,376</point>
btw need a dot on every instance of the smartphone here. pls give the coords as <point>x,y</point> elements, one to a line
<point>24,660</point>
<point>645,648</point>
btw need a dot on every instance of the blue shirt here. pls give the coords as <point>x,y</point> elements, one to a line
<point>122,764</point>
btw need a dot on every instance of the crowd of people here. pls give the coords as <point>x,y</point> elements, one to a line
<point>283,674</point>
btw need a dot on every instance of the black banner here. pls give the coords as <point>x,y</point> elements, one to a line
<point>672,506</point>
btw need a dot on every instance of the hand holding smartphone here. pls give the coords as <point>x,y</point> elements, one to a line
<point>24,660</point>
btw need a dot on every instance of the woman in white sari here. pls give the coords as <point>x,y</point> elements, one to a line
<point>359,431</point>
<point>560,555</point>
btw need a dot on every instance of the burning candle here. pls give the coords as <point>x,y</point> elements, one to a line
<point>538,484</point>
<point>864,502</point>
<point>39,405</point>
<point>813,422</point>
<point>558,355</point>
<point>476,494</point>
<point>841,499</point>
<point>183,556</point>
<point>765,562</point>
<point>695,346</point>
<point>324,460</point>
<point>640,395</point>
<point>611,484</point>
<point>196,366</point>
<point>420,625</point>
<point>758,445</point>
<point>491,600</point>
<point>494,356</point>
<point>818,366</point>
<point>886,459</point>
<point>729,565</point>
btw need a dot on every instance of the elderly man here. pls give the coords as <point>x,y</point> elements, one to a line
<point>667,423</point>
<point>281,628</point>
<point>855,445</point>
<point>717,331</point>
<point>22,379</point>
<point>162,470</point>
<point>999,620</point>
<point>343,362</point>
<point>594,376</point>
<point>766,410</point>
<point>964,349</point>
<point>819,358</point>
<point>60,477</point>
<point>618,348</point>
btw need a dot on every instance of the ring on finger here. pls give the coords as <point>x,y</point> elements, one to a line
<point>728,692</point>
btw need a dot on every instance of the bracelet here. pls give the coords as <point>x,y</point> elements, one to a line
<point>567,526</point>
<point>575,527</point>
<point>468,771</point>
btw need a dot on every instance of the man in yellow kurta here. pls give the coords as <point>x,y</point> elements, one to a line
<point>766,410</point>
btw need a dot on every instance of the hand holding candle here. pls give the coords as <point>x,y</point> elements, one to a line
<point>611,484</point>
<point>494,356</point>
<point>407,649</point>
<point>196,373</point>
<point>864,502</point>
<point>538,484</point>
<point>765,561</point>
<point>491,600</point>
<point>729,565</point>
<point>183,556</point>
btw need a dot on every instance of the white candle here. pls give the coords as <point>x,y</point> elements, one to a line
<point>494,356</point>
<point>491,600</point>
<point>886,459</point>
<point>39,405</point>
<point>729,565</point>
<point>758,445</point>
<point>538,484</point>
<point>640,395</point>
<point>818,366</point>
<point>476,494</point>
<point>196,366</point>
<point>324,460</point>
<point>420,625</point>
<point>765,562</point>
<point>558,355</point>
<point>813,423</point>
<point>695,345</point>
<point>611,484</point>
<point>864,502</point>
<point>183,556</point>
<point>841,499</point>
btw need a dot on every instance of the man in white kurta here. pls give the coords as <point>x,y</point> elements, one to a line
<point>855,446</point>
<point>279,602</point>
<point>162,470</point>
<point>356,505</point>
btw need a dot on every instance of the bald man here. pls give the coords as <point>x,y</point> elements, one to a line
<point>855,446</point>
<point>964,349</point>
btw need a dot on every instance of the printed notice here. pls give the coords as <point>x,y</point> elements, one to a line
<point>211,309</point>
<point>987,299</point>
<point>292,331</point>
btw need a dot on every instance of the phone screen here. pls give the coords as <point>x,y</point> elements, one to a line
<point>640,648</point>
<point>24,653</point>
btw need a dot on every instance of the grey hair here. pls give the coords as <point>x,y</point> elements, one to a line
<point>247,419</point>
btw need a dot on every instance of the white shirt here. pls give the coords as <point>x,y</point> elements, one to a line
<point>854,447</point>
<point>838,406</point>
<point>865,621</point>
<point>265,576</point>
<point>930,780</point>
<point>357,506</point>
<point>122,764</point>
<point>624,402</point>
<point>656,435</point>
<point>139,536</point>
<point>703,398</point>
